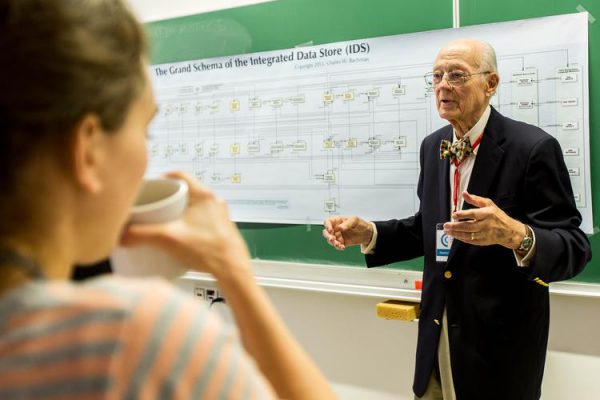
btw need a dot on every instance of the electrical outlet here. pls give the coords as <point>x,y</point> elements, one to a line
<point>208,294</point>
<point>211,294</point>
<point>200,293</point>
<point>196,288</point>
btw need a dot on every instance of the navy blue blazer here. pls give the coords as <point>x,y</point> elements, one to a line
<point>498,315</point>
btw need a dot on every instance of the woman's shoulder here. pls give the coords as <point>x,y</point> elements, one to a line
<point>124,290</point>
<point>139,295</point>
<point>110,294</point>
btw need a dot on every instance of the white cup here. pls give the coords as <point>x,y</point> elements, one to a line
<point>159,200</point>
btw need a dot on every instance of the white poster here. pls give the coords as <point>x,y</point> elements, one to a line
<point>296,135</point>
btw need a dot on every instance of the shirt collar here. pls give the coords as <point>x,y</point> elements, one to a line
<point>477,129</point>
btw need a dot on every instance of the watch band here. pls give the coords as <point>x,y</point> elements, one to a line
<point>527,241</point>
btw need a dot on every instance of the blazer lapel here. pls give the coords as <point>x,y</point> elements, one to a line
<point>443,175</point>
<point>488,160</point>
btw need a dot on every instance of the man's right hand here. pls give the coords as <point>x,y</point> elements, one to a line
<point>341,232</point>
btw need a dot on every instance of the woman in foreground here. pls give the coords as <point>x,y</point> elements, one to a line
<point>75,103</point>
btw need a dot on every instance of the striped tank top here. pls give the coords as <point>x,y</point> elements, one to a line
<point>118,338</point>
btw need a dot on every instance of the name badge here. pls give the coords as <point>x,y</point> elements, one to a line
<point>443,243</point>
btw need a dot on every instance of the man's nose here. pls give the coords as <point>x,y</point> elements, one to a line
<point>443,87</point>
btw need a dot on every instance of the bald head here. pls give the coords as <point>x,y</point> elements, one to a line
<point>465,78</point>
<point>479,54</point>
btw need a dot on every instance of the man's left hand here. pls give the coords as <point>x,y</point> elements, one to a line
<point>485,225</point>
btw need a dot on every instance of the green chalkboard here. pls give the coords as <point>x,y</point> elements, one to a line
<point>287,23</point>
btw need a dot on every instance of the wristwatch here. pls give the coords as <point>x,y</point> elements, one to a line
<point>527,241</point>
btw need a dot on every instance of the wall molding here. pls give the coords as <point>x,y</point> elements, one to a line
<point>359,281</point>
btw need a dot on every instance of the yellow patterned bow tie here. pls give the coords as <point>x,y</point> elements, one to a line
<point>457,151</point>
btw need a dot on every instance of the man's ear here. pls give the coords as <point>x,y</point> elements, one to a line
<point>492,84</point>
<point>88,153</point>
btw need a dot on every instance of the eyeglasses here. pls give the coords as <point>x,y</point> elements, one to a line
<point>454,78</point>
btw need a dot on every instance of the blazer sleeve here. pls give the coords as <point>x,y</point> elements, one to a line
<point>562,249</point>
<point>397,240</point>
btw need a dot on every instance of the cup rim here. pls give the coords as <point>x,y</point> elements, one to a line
<point>182,191</point>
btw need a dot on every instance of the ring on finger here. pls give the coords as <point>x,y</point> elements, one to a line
<point>472,235</point>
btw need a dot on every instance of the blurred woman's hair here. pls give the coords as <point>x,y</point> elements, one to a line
<point>59,61</point>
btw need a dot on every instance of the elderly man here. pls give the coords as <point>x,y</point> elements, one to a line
<point>501,190</point>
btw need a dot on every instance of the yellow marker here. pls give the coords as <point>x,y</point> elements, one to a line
<point>541,282</point>
<point>398,310</point>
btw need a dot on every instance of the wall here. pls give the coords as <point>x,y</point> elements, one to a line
<point>379,354</point>
<point>370,358</point>
<point>374,358</point>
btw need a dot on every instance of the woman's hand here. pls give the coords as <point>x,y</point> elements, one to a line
<point>203,238</point>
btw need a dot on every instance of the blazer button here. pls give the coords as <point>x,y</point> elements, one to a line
<point>448,274</point>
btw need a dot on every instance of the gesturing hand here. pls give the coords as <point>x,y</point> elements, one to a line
<point>341,232</point>
<point>485,225</point>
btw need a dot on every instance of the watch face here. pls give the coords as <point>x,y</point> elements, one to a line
<point>526,243</point>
